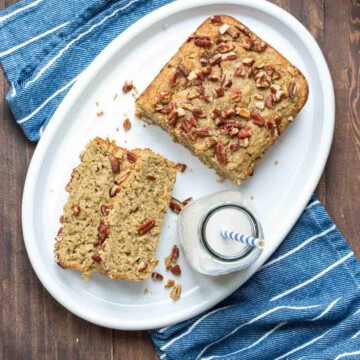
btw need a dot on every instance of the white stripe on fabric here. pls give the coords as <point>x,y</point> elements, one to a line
<point>41,131</point>
<point>312,204</point>
<point>80,36</point>
<point>37,37</point>
<point>357,312</point>
<point>304,243</point>
<point>164,329</point>
<point>309,281</point>
<point>302,346</point>
<point>56,93</point>
<point>250,346</point>
<point>357,352</point>
<point>191,328</point>
<point>17,11</point>
<point>326,310</point>
<point>163,356</point>
<point>356,335</point>
<point>13,90</point>
<point>259,317</point>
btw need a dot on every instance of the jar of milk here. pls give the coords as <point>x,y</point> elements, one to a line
<point>201,226</point>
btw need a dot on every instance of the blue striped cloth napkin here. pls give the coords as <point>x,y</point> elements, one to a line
<point>303,304</point>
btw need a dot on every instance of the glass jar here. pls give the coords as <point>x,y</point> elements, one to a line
<point>200,224</point>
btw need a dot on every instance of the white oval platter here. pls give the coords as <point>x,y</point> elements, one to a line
<point>278,192</point>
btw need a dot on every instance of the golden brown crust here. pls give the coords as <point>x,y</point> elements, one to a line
<point>244,92</point>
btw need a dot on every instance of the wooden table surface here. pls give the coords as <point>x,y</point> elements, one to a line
<point>34,326</point>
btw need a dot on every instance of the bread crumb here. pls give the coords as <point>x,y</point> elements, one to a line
<point>127,124</point>
<point>276,162</point>
<point>117,129</point>
<point>128,86</point>
<point>97,103</point>
<point>165,26</point>
<point>138,114</point>
<point>115,96</point>
<point>100,113</point>
<point>146,291</point>
<point>144,125</point>
<point>252,197</point>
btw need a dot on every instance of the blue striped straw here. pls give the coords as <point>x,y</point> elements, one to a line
<point>245,239</point>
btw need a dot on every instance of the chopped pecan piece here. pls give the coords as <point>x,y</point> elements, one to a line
<point>127,124</point>
<point>142,266</point>
<point>249,43</point>
<point>115,164</point>
<point>173,256</point>
<point>270,101</point>
<point>146,226</point>
<point>201,132</point>
<point>157,276</point>
<point>235,94</point>
<point>292,90</point>
<point>202,40</point>
<point>151,177</point>
<point>219,92</point>
<point>221,154</point>
<point>176,292</point>
<point>240,71</point>
<point>248,61</point>
<point>216,20</point>
<point>229,56</point>
<point>269,125</point>
<point>204,59</point>
<point>260,46</point>
<point>61,220</point>
<point>170,283</point>
<point>131,157</point>
<point>182,167</point>
<point>122,176</point>
<point>96,257</point>
<point>103,228</point>
<point>211,142</point>
<point>105,209</point>
<point>176,270</point>
<point>223,29</point>
<point>245,113</point>
<point>180,112</point>
<point>276,75</point>
<point>193,93</point>
<point>176,205</point>
<point>186,201</point>
<point>183,71</point>
<point>214,59</point>
<point>233,147</point>
<point>76,209</point>
<point>206,70</point>
<point>200,75</point>
<point>233,32</point>
<point>227,113</point>
<point>226,47</point>
<point>244,142</point>
<point>257,118</point>
<point>173,78</point>
<point>114,190</point>
<point>128,86</point>
<point>244,133</point>
<point>277,119</point>
<point>186,125</point>
<point>173,118</point>
<point>165,97</point>
<point>197,112</point>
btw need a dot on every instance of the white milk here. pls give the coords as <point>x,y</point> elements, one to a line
<point>199,227</point>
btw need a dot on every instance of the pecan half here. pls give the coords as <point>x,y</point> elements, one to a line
<point>201,132</point>
<point>256,118</point>
<point>227,113</point>
<point>146,226</point>
<point>128,86</point>
<point>292,90</point>
<point>176,292</point>
<point>105,209</point>
<point>233,32</point>
<point>216,20</point>
<point>249,43</point>
<point>131,156</point>
<point>240,71</point>
<point>244,133</point>
<point>197,112</point>
<point>76,209</point>
<point>115,164</point>
<point>270,101</point>
<point>229,56</point>
<point>157,276</point>
<point>221,154</point>
<point>176,270</point>
<point>202,40</point>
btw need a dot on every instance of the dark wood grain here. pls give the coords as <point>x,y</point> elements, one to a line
<point>34,326</point>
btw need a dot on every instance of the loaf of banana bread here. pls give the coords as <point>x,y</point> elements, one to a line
<point>226,95</point>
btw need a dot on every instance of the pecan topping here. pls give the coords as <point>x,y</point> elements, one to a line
<point>103,228</point>
<point>244,133</point>
<point>173,78</point>
<point>146,226</point>
<point>173,119</point>
<point>186,125</point>
<point>229,56</point>
<point>245,113</point>
<point>260,46</point>
<point>248,61</point>
<point>226,47</point>
<point>127,124</point>
<point>210,141</point>
<point>257,118</point>
<point>235,94</point>
<point>115,164</point>
<point>165,97</point>
<point>186,201</point>
<point>214,59</point>
<point>200,75</point>
<point>151,177</point>
<point>226,83</point>
<point>269,101</point>
<point>201,132</point>
<point>262,82</point>
<point>170,283</point>
<point>157,276</point>
<point>233,32</point>
<point>180,112</point>
<point>216,20</point>
<point>176,292</point>
<point>227,113</point>
<point>221,154</point>
<point>182,167</point>
<point>233,147</point>
<point>76,209</point>
<point>215,113</point>
<point>240,71</point>
<point>176,270</point>
<point>269,69</point>
<point>219,92</point>
<point>183,71</point>
<point>131,157</point>
<point>128,86</point>
<point>114,190</point>
<point>96,257</point>
<point>223,29</point>
<point>61,220</point>
<point>277,119</point>
<point>233,124</point>
<point>206,70</point>
<point>275,76</point>
<point>244,142</point>
<point>292,90</point>
<point>202,40</point>
<point>176,205</point>
<point>269,125</point>
<point>197,112</point>
<point>249,43</point>
<point>204,59</point>
<point>105,209</point>
<point>193,93</point>
<point>122,177</point>
<point>142,266</point>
